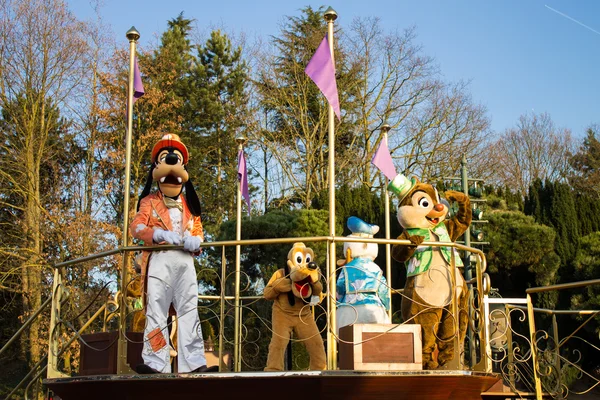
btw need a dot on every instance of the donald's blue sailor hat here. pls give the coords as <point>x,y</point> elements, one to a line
<point>358,227</point>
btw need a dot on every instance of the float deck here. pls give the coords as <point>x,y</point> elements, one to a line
<point>429,385</point>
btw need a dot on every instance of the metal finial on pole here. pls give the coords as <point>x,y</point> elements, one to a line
<point>240,140</point>
<point>330,14</point>
<point>132,34</point>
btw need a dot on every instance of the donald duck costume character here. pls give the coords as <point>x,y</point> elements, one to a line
<point>169,276</point>
<point>362,291</point>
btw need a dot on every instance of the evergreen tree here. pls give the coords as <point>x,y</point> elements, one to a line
<point>553,204</point>
<point>587,266</point>
<point>173,60</point>
<point>563,217</point>
<point>521,254</point>
<point>216,109</point>
<point>503,198</point>
<point>533,204</point>
<point>586,165</point>
<point>588,213</point>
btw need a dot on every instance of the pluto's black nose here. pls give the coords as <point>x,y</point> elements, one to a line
<point>312,265</point>
<point>171,159</point>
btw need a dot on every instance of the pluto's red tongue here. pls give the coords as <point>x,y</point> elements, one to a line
<point>303,287</point>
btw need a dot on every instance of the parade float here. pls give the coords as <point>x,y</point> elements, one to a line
<point>473,351</point>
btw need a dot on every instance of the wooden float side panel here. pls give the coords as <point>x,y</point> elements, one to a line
<point>340,385</point>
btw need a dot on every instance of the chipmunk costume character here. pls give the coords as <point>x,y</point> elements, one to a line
<point>428,291</point>
<point>165,217</point>
<point>362,291</point>
<point>291,289</point>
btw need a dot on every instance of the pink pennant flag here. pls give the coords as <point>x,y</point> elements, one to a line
<point>383,160</point>
<point>321,70</point>
<point>138,86</point>
<point>243,177</point>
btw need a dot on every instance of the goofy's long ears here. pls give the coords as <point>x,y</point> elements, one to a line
<point>191,198</point>
<point>147,188</point>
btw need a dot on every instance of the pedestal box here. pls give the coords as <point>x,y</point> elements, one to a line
<point>99,357</point>
<point>380,347</point>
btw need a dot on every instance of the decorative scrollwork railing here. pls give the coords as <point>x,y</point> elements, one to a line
<point>538,362</point>
<point>218,308</point>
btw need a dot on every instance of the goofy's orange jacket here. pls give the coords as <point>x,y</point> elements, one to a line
<point>153,213</point>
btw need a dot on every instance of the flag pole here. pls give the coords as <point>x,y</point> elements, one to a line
<point>122,367</point>
<point>237,350</point>
<point>330,15</point>
<point>385,128</point>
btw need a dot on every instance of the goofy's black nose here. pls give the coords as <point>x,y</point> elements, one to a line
<point>171,159</point>
<point>312,265</point>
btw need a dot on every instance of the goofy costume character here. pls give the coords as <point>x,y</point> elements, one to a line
<point>169,276</point>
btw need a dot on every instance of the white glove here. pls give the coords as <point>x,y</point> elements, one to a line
<point>192,243</point>
<point>160,235</point>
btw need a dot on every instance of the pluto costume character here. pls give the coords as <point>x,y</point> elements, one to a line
<point>428,291</point>
<point>165,217</point>
<point>362,290</point>
<point>291,289</point>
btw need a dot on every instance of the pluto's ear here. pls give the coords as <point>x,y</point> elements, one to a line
<point>191,198</point>
<point>147,188</point>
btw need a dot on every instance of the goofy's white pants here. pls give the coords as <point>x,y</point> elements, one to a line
<point>172,279</point>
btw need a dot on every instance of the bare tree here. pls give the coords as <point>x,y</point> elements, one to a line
<point>396,79</point>
<point>534,149</point>
<point>448,126</point>
<point>41,53</point>
<point>433,123</point>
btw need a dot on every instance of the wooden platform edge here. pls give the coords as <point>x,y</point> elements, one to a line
<point>413,385</point>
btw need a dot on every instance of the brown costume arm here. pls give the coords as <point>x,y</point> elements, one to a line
<point>317,288</point>
<point>278,283</point>
<point>461,221</point>
<point>402,252</point>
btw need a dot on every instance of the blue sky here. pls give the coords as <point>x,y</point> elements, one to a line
<point>519,55</point>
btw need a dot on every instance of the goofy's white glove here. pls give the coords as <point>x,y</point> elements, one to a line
<point>170,237</point>
<point>192,244</point>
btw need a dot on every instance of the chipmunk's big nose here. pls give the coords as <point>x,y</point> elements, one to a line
<point>312,265</point>
<point>438,207</point>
